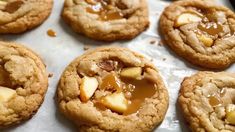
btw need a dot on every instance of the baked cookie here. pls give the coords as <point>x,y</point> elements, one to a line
<point>107,20</point>
<point>112,89</point>
<point>207,100</point>
<point>17,16</point>
<point>23,83</point>
<point>201,32</point>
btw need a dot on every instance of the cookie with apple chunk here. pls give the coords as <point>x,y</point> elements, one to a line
<point>201,32</point>
<point>107,20</point>
<point>112,89</point>
<point>207,100</point>
<point>23,83</point>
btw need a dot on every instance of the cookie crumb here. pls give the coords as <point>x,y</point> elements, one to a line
<point>152,41</point>
<point>50,75</point>
<point>86,47</point>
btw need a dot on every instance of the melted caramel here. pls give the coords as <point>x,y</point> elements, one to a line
<point>13,6</point>
<point>93,2</point>
<point>112,82</point>
<point>139,90</point>
<point>136,91</point>
<point>211,28</point>
<point>104,11</point>
<point>51,33</point>
<point>4,78</point>
<point>214,100</point>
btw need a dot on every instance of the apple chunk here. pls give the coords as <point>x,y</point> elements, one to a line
<point>207,41</point>
<point>88,87</point>
<point>230,117</point>
<point>132,72</point>
<point>186,18</point>
<point>6,94</point>
<point>116,102</point>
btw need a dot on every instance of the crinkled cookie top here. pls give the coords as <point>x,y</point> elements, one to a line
<point>107,20</point>
<point>23,83</point>
<point>112,89</point>
<point>200,31</point>
<point>208,101</point>
<point>20,15</point>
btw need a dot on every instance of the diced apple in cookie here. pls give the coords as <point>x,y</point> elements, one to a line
<point>207,41</point>
<point>2,4</point>
<point>230,117</point>
<point>186,18</point>
<point>6,94</point>
<point>116,102</point>
<point>88,88</point>
<point>132,72</point>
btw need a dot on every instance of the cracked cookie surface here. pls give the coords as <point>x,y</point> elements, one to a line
<point>201,32</point>
<point>207,100</point>
<point>107,20</point>
<point>18,16</point>
<point>112,89</point>
<point>23,83</point>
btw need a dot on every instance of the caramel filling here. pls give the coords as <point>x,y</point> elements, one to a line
<point>215,99</point>
<point>4,78</point>
<point>135,91</point>
<point>111,82</point>
<point>13,6</point>
<point>211,28</point>
<point>104,10</point>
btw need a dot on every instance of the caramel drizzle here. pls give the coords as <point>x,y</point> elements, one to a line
<point>136,91</point>
<point>104,10</point>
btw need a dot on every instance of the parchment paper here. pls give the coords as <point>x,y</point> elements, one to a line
<point>58,52</point>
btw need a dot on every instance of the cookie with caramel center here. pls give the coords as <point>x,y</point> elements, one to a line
<point>201,32</point>
<point>104,90</point>
<point>107,20</point>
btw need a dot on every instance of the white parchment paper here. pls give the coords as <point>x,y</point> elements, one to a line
<point>58,52</point>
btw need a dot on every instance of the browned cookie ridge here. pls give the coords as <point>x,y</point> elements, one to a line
<point>207,100</point>
<point>201,32</point>
<point>23,83</point>
<point>112,89</point>
<point>107,20</point>
<point>18,16</point>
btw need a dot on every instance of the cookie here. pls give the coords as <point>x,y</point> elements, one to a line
<point>201,32</point>
<point>23,83</point>
<point>207,100</point>
<point>107,20</point>
<point>17,16</point>
<point>112,89</point>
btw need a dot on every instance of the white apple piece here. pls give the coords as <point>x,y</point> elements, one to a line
<point>186,18</point>
<point>132,72</point>
<point>116,102</point>
<point>88,88</point>
<point>6,94</point>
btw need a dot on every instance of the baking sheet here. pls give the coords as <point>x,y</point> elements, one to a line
<point>58,52</point>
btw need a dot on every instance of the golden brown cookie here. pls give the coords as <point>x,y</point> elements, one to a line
<point>207,100</point>
<point>18,16</point>
<point>112,89</point>
<point>23,83</point>
<point>201,32</point>
<point>107,20</point>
